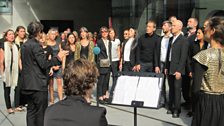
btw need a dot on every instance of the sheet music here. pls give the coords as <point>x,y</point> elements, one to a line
<point>148,91</point>
<point>125,90</point>
<point>129,88</point>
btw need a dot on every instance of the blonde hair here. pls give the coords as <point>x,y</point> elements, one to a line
<point>51,30</point>
<point>44,38</point>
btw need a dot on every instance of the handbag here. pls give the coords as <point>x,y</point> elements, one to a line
<point>104,63</point>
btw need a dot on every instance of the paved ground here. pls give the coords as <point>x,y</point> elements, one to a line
<point>116,115</point>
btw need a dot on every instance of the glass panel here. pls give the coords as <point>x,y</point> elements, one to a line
<point>6,6</point>
<point>135,13</point>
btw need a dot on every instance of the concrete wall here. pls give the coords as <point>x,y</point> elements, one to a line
<point>89,13</point>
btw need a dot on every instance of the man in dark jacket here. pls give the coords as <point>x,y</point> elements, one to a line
<point>34,78</point>
<point>175,63</point>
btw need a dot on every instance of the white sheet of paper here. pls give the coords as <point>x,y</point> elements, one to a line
<point>129,88</point>
<point>148,91</point>
<point>125,90</point>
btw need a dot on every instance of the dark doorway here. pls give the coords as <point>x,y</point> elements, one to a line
<point>61,25</point>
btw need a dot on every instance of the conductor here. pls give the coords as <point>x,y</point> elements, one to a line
<point>34,66</point>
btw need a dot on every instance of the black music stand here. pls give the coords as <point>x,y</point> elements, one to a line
<point>138,90</point>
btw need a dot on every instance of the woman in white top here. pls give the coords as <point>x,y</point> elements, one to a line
<point>9,64</point>
<point>115,57</point>
<point>128,59</point>
<point>20,35</point>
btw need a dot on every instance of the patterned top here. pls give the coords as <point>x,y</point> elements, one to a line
<point>78,48</point>
<point>213,78</point>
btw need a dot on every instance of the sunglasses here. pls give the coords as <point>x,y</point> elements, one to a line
<point>104,31</point>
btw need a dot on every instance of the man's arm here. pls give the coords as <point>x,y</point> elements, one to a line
<point>184,55</point>
<point>189,60</point>
<point>168,53</point>
<point>138,49</point>
<point>157,56</point>
<point>42,59</point>
<point>137,55</point>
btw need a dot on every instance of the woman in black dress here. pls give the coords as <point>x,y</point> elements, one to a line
<point>198,45</point>
<point>210,104</point>
<point>70,46</point>
<point>84,47</point>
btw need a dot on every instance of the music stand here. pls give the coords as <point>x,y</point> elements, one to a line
<point>138,90</point>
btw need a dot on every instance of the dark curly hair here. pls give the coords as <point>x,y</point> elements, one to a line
<point>79,76</point>
<point>34,28</point>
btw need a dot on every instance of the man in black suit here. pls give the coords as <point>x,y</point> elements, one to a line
<point>103,82</point>
<point>80,77</point>
<point>34,78</point>
<point>186,83</point>
<point>175,63</point>
<point>160,55</point>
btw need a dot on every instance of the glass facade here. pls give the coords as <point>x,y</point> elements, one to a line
<point>6,6</point>
<point>135,13</point>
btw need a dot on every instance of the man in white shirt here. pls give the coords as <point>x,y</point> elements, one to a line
<point>161,53</point>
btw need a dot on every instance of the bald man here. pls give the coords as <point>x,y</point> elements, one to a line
<point>172,19</point>
<point>175,67</point>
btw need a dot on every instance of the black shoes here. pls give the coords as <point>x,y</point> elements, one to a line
<point>101,101</point>
<point>190,114</point>
<point>175,115</point>
<point>169,112</point>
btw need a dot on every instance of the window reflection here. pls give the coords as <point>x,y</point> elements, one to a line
<point>135,13</point>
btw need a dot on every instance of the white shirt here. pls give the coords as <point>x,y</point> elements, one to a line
<point>164,47</point>
<point>114,49</point>
<point>127,49</point>
<point>174,39</point>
